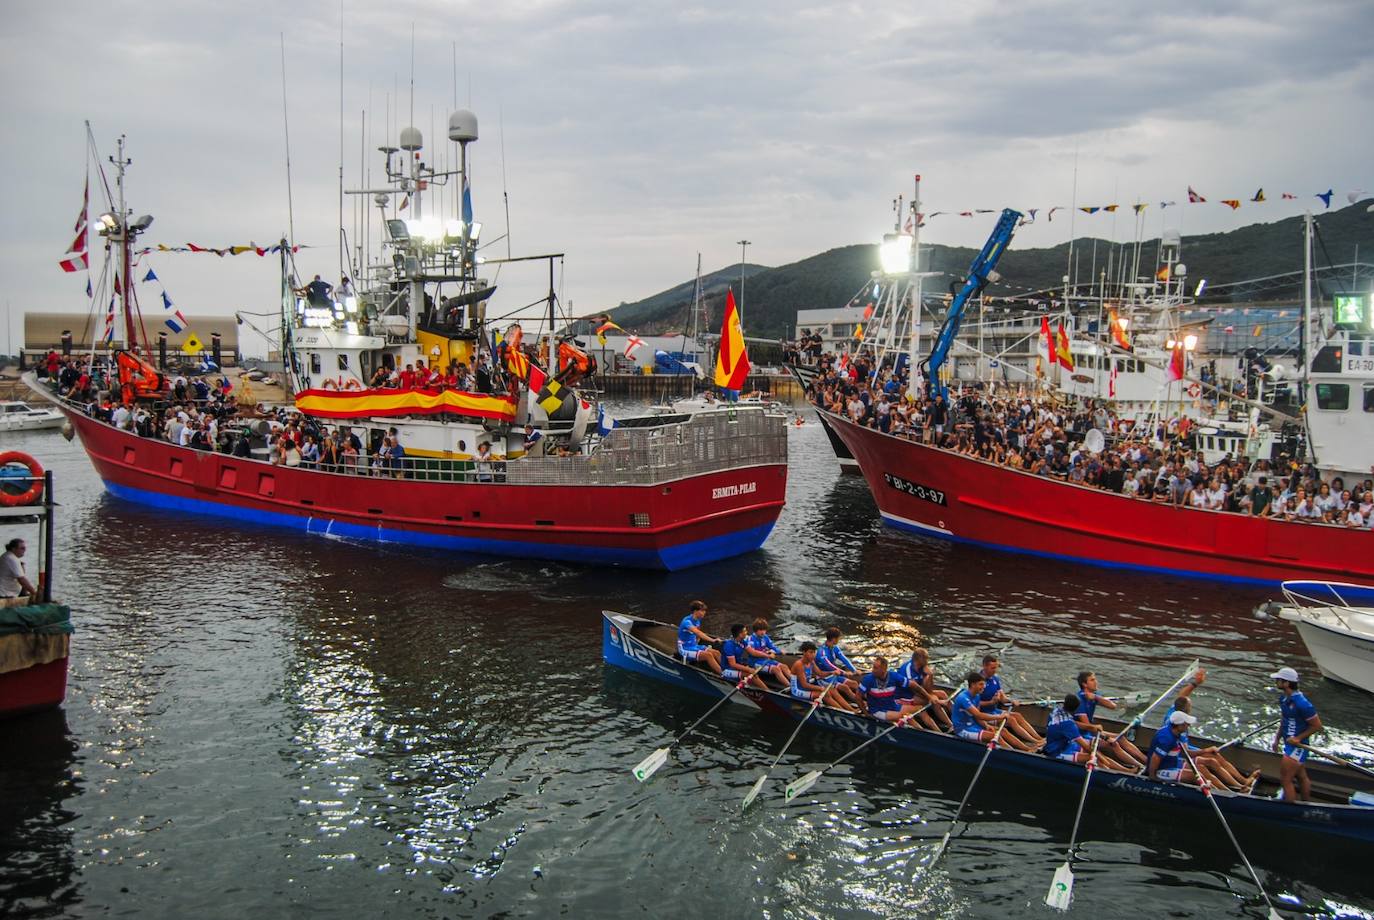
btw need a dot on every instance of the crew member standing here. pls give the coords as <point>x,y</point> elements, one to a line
<point>1300,721</point>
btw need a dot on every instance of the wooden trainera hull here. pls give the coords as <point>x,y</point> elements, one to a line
<point>940,493</point>
<point>624,646</point>
<point>669,525</point>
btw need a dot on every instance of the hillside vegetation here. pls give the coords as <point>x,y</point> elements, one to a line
<point>828,280</point>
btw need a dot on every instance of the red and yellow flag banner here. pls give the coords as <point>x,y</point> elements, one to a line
<point>732,361</point>
<point>363,403</point>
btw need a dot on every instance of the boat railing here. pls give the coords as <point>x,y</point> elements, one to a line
<point>1328,595</point>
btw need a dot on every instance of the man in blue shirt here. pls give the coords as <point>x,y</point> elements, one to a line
<point>764,654</point>
<point>973,724</point>
<point>881,690</point>
<point>803,684</point>
<point>1166,751</point>
<point>734,658</point>
<point>920,685</point>
<point>1065,740</point>
<point>1300,721</point>
<point>1088,701</point>
<point>994,701</point>
<point>834,667</point>
<point>693,642</point>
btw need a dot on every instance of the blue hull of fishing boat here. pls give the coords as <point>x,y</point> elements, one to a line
<point>1254,814</point>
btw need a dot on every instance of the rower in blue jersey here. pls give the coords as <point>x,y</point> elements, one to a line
<point>1166,752</point>
<point>920,679</point>
<point>1065,740</point>
<point>1300,721</point>
<point>693,642</point>
<point>834,667</point>
<point>764,654</point>
<point>1119,748</point>
<point>1211,759</point>
<point>994,701</point>
<point>804,685</point>
<point>882,694</point>
<point>734,658</point>
<point>973,724</point>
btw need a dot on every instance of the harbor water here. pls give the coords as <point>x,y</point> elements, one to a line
<point>261,723</point>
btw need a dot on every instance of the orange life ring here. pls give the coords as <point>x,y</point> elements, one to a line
<point>1194,390</point>
<point>35,490</point>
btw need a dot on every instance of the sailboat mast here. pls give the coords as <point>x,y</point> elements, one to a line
<point>913,349</point>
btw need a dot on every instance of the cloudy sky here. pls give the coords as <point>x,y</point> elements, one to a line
<point>637,134</point>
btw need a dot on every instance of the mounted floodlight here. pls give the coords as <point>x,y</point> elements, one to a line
<point>107,222</point>
<point>398,231</point>
<point>1189,342</point>
<point>894,253</point>
<point>1201,286</point>
<point>141,223</point>
<point>476,230</point>
<point>453,230</point>
<point>1170,344</point>
<point>350,304</point>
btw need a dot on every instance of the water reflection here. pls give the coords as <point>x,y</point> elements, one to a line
<point>38,774</point>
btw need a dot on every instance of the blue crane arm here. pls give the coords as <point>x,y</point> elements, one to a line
<point>979,273</point>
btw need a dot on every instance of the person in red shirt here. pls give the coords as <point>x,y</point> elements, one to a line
<point>54,362</point>
<point>421,375</point>
<point>408,378</point>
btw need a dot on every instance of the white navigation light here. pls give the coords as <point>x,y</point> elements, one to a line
<point>1189,342</point>
<point>895,253</point>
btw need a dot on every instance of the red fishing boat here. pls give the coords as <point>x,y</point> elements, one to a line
<point>461,440</point>
<point>941,493</point>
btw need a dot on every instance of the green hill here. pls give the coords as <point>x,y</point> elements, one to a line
<point>774,295</point>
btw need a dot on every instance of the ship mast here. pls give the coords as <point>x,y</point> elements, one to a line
<point>118,230</point>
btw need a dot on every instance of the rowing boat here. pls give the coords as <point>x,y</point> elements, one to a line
<point>647,647</point>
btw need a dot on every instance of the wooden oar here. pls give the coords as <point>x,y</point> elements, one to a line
<point>754,790</point>
<point>1192,669</point>
<point>1129,699</point>
<point>944,841</point>
<point>1248,735</point>
<point>1207,794</point>
<point>649,765</point>
<point>1060,895</point>
<point>1334,757</point>
<point>798,786</point>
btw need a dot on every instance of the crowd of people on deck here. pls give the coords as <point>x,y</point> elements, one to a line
<point>1152,462</point>
<point>982,711</point>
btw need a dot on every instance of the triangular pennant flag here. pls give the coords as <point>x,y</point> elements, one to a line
<point>150,276</point>
<point>1326,196</point>
<point>1194,197</point>
<point>166,301</point>
<point>1232,203</point>
<point>1259,196</point>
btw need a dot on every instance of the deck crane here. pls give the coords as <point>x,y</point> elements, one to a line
<point>980,274</point>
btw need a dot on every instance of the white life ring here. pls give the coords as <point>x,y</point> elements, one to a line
<point>1194,390</point>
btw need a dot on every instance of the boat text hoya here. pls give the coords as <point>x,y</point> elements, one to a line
<point>934,496</point>
<point>743,488</point>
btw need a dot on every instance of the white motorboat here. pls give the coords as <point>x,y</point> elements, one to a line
<point>18,416</point>
<point>1336,621</point>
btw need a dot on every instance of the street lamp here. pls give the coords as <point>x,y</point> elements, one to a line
<point>743,248</point>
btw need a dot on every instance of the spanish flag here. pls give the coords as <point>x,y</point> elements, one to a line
<point>732,360</point>
<point>1118,334</point>
<point>1062,353</point>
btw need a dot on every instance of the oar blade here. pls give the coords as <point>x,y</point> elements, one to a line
<point>1061,889</point>
<point>798,786</point>
<point>754,790</point>
<point>649,765</point>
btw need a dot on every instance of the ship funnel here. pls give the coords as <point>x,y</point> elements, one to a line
<point>462,126</point>
<point>412,139</point>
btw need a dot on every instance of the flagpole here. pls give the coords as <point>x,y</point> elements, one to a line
<point>739,307</point>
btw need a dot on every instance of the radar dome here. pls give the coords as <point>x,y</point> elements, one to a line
<point>462,126</point>
<point>411,139</point>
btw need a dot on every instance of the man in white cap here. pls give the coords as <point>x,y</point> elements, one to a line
<point>1166,751</point>
<point>1300,720</point>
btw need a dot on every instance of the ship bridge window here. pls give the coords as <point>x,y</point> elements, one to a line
<point>343,362</point>
<point>1333,397</point>
<point>1328,360</point>
<point>314,362</point>
<point>1369,397</point>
